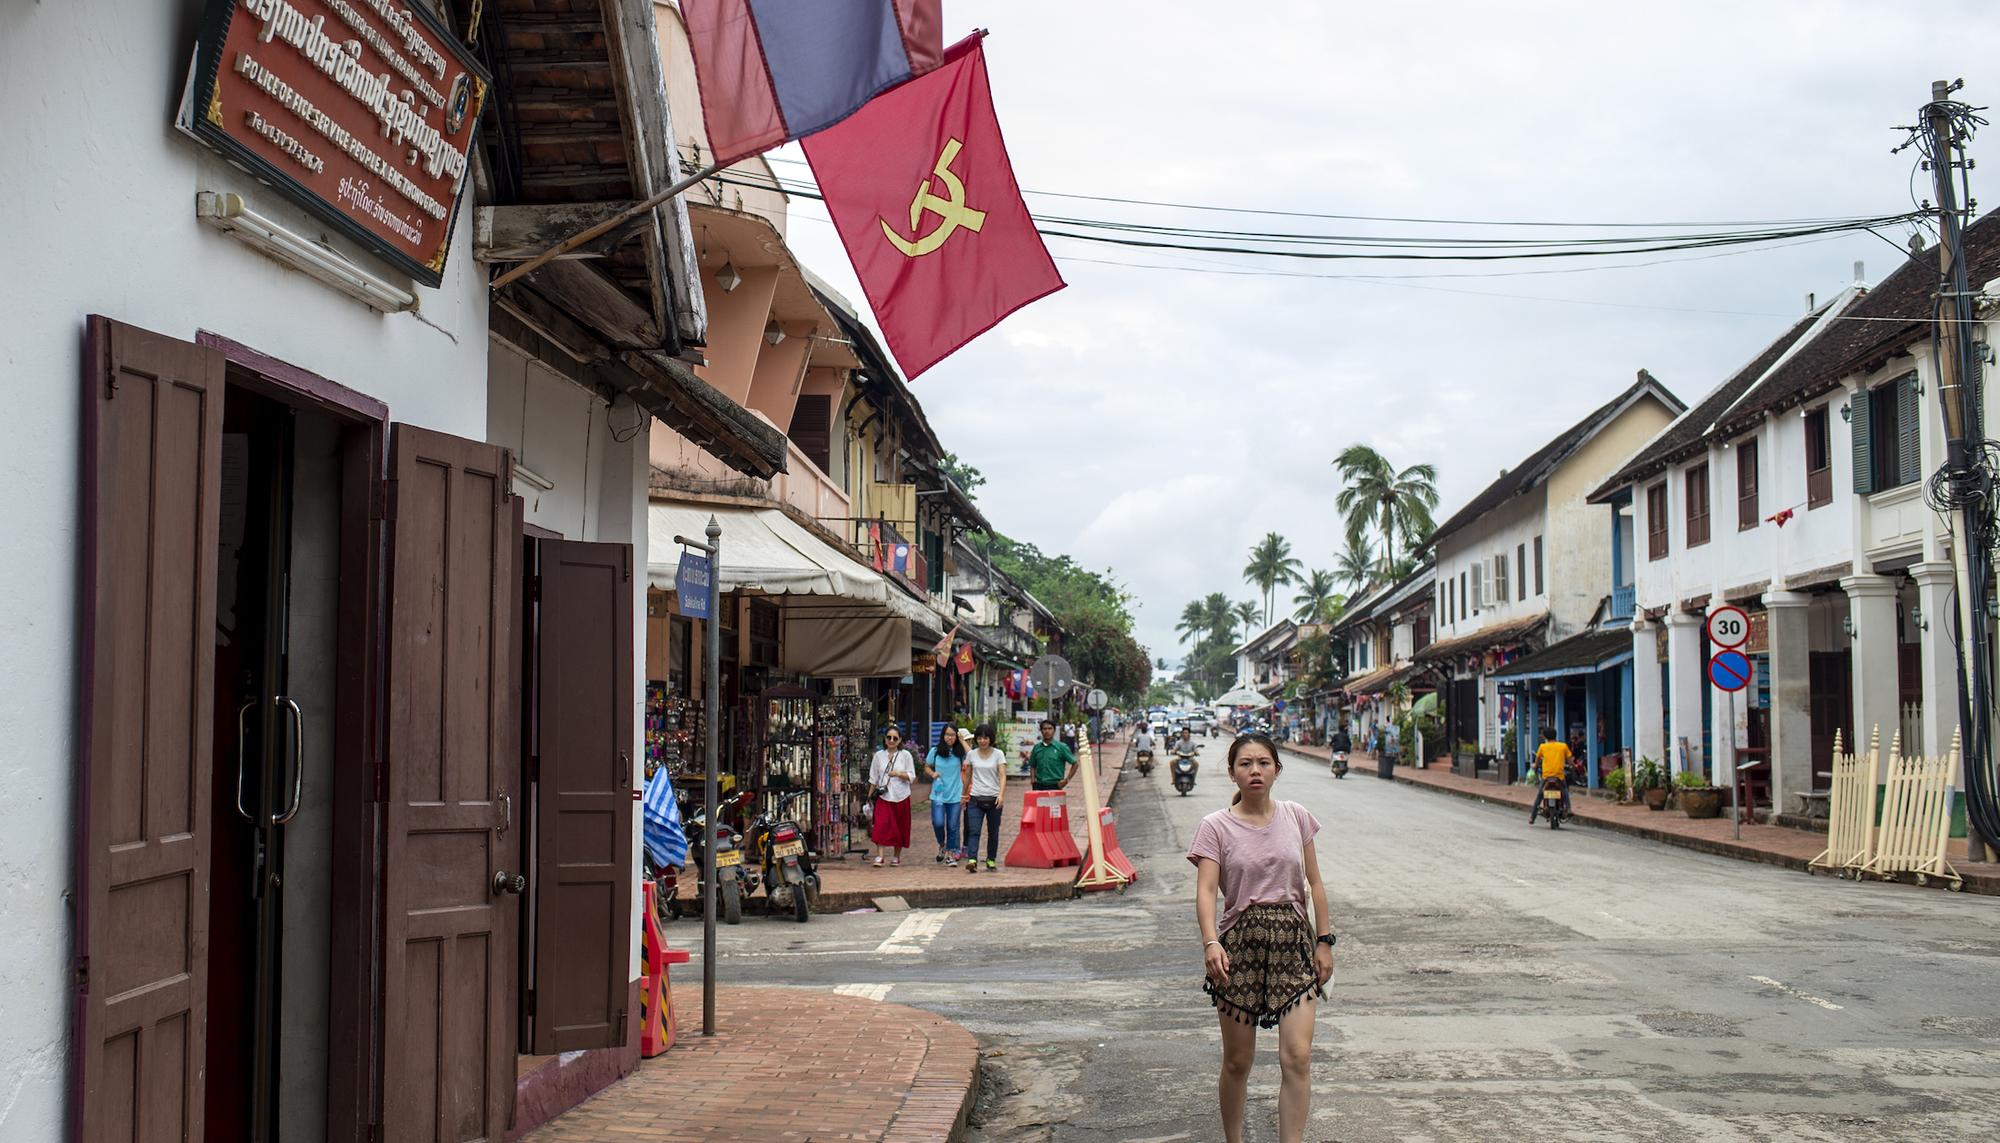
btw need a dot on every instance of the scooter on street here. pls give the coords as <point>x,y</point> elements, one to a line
<point>1340,763</point>
<point>786,863</point>
<point>1145,762</point>
<point>1184,767</point>
<point>1552,802</point>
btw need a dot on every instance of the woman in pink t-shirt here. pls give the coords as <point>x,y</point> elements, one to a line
<point>1265,966</point>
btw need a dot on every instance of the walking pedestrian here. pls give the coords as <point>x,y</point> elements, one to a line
<point>892,773</point>
<point>987,787</point>
<point>1264,966</point>
<point>1051,764</point>
<point>945,765</point>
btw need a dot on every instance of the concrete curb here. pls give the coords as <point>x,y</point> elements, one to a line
<point>948,1086</point>
<point>1981,884</point>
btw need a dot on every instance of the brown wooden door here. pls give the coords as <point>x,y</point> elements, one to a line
<point>1830,674</point>
<point>451,748</point>
<point>583,815</point>
<point>152,431</point>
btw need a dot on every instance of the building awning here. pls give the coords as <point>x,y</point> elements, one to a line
<point>1578,655</point>
<point>840,616</point>
<point>1378,681</point>
<point>1498,635</point>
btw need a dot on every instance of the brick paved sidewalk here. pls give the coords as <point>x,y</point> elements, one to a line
<point>789,1064</point>
<point>1769,844</point>
<point>853,883</point>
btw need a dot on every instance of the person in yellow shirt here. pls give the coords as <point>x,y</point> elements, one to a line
<point>1553,757</point>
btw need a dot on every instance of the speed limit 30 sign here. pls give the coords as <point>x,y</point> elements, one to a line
<point>1728,626</point>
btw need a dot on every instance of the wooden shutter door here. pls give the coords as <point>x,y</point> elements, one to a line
<point>451,749</point>
<point>1861,406</point>
<point>152,435</point>
<point>1909,423</point>
<point>583,818</point>
<point>812,429</point>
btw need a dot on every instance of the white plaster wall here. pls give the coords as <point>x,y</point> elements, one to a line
<point>1518,521</point>
<point>100,190</point>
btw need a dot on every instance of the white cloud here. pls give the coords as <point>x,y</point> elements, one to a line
<point>1157,422</point>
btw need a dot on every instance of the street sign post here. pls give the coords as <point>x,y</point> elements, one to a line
<point>1096,699</point>
<point>1728,626</point>
<point>1729,670</point>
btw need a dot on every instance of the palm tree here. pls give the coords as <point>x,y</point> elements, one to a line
<point>1355,565</point>
<point>1396,504</point>
<point>1315,592</point>
<point>1220,621</point>
<point>1194,621</point>
<point>1246,614</point>
<point>1271,563</point>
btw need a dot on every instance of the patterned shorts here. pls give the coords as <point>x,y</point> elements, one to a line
<point>1271,967</point>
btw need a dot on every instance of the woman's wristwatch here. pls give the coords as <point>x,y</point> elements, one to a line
<point>1327,939</point>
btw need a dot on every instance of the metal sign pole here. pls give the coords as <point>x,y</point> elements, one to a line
<point>711,689</point>
<point>1735,773</point>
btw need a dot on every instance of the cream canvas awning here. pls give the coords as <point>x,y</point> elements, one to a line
<point>841,617</point>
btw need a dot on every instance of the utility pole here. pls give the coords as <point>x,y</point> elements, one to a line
<point>1966,483</point>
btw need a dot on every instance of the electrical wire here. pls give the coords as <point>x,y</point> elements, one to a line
<point>1342,247</point>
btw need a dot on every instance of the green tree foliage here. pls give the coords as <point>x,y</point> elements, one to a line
<point>962,474</point>
<point>1093,611</point>
<point>1271,563</point>
<point>1396,504</point>
<point>1316,592</point>
<point>1355,565</point>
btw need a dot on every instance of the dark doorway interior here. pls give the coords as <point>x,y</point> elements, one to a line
<point>270,826</point>
<point>1831,676</point>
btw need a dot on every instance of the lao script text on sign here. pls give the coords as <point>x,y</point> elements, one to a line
<point>363,110</point>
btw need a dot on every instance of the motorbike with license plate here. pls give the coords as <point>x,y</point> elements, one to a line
<point>785,861</point>
<point>731,879</point>
<point>1340,763</point>
<point>1184,768</point>
<point>1551,796</point>
<point>1145,756</point>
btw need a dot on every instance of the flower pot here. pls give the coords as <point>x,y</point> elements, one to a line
<point>1704,802</point>
<point>1656,798</point>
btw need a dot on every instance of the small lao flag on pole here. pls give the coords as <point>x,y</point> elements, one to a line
<point>920,188</point>
<point>772,70</point>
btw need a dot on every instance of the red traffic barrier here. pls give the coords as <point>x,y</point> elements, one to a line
<point>1108,826</point>
<point>656,998</point>
<point>1044,841</point>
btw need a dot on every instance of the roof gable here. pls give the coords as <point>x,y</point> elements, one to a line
<point>1534,471</point>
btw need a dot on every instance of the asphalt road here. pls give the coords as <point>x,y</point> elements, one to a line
<point>1493,982</point>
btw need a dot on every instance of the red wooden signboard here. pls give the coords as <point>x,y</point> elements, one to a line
<point>363,110</point>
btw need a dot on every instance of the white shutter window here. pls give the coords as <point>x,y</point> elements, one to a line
<point>1478,586</point>
<point>1500,578</point>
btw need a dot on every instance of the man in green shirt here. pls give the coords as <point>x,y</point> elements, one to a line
<point>1051,763</point>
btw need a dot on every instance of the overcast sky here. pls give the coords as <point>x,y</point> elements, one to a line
<point>1156,422</point>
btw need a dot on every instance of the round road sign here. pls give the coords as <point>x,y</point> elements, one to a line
<point>1096,699</point>
<point>1729,670</point>
<point>1728,626</point>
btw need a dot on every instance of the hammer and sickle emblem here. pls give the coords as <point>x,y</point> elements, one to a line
<point>951,211</point>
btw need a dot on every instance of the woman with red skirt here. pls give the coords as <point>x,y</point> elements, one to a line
<point>892,774</point>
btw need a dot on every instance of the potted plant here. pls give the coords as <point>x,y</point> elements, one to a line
<point>1651,782</point>
<point>1465,760</point>
<point>1698,797</point>
<point>1619,782</point>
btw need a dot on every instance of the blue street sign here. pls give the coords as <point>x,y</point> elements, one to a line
<point>691,583</point>
<point>1729,670</point>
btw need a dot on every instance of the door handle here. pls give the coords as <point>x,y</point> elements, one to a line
<point>506,813</point>
<point>298,759</point>
<point>503,883</point>
<point>242,758</point>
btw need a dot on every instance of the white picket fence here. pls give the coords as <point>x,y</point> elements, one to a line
<point>1850,829</point>
<point>1914,804</point>
<point>1916,818</point>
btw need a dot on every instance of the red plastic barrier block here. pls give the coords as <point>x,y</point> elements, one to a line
<point>1108,825</point>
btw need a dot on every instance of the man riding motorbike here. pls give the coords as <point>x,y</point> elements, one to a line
<point>1340,746</point>
<point>1184,746</point>
<point>1553,757</point>
<point>1142,748</point>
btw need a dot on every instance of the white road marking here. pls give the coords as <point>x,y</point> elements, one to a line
<point>1618,919</point>
<point>916,932</point>
<point>1519,880</point>
<point>1794,993</point>
<point>865,991</point>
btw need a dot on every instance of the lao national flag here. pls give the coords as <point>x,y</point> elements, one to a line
<point>919,186</point>
<point>773,70</point>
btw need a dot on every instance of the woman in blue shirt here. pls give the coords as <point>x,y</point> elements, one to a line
<point>946,767</point>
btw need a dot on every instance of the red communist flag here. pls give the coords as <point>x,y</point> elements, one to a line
<point>919,185</point>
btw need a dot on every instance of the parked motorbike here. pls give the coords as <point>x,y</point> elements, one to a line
<point>729,873</point>
<point>1184,773</point>
<point>1145,762</point>
<point>1552,802</point>
<point>1340,763</point>
<point>785,861</point>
